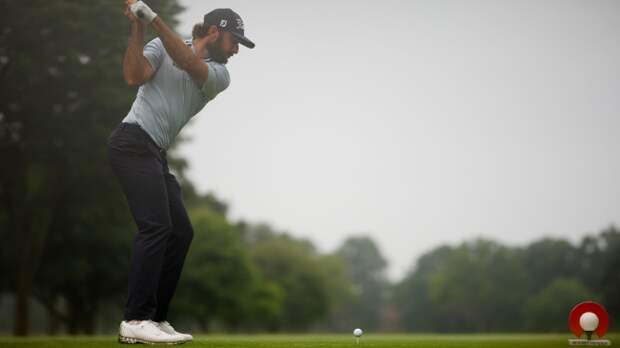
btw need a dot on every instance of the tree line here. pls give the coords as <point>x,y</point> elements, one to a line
<point>67,231</point>
<point>483,286</point>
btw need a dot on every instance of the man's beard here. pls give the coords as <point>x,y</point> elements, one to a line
<point>216,53</point>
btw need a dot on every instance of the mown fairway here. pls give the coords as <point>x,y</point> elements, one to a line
<point>327,341</point>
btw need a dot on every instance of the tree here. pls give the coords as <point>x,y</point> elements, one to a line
<point>477,286</point>
<point>547,259</point>
<point>310,282</point>
<point>600,257</point>
<point>79,251</point>
<point>219,283</point>
<point>412,296</point>
<point>365,270</point>
<point>548,309</point>
<point>61,94</point>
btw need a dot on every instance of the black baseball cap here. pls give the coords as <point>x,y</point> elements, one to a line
<point>226,19</point>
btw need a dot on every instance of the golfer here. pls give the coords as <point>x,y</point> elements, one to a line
<point>177,79</point>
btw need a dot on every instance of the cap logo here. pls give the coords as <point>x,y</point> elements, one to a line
<point>223,23</point>
<point>239,23</point>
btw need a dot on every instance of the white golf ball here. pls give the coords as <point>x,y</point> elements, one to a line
<point>588,321</point>
<point>357,332</point>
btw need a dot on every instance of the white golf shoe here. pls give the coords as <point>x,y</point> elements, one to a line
<point>146,331</point>
<point>167,328</point>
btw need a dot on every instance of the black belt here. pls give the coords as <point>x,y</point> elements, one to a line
<point>137,127</point>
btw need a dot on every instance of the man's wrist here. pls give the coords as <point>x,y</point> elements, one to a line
<point>156,21</point>
<point>138,26</point>
<point>137,31</point>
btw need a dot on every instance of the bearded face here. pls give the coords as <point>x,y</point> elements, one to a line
<point>223,48</point>
<point>216,51</point>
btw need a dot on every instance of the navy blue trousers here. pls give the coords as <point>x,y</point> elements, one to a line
<point>164,229</point>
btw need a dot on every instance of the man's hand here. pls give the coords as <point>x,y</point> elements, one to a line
<point>141,10</point>
<point>133,19</point>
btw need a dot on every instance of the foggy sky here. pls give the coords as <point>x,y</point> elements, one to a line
<point>417,123</point>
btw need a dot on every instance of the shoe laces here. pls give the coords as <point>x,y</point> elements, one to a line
<point>166,326</point>
<point>153,325</point>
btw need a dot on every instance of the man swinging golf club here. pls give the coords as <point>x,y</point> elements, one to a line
<point>177,79</point>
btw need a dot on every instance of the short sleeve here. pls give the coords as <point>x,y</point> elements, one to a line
<point>217,81</point>
<point>154,52</point>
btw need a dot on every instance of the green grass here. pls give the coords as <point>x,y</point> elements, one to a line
<point>323,341</point>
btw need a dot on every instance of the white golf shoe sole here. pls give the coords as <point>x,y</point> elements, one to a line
<point>131,340</point>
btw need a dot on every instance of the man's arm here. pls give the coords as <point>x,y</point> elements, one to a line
<point>182,55</point>
<point>136,68</point>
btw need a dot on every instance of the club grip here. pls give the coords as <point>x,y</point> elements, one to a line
<point>140,14</point>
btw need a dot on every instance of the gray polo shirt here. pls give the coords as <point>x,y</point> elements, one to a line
<point>172,97</point>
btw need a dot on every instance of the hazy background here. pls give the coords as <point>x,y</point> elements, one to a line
<point>418,122</point>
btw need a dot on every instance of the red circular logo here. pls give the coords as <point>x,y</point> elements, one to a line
<point>584,307</point>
